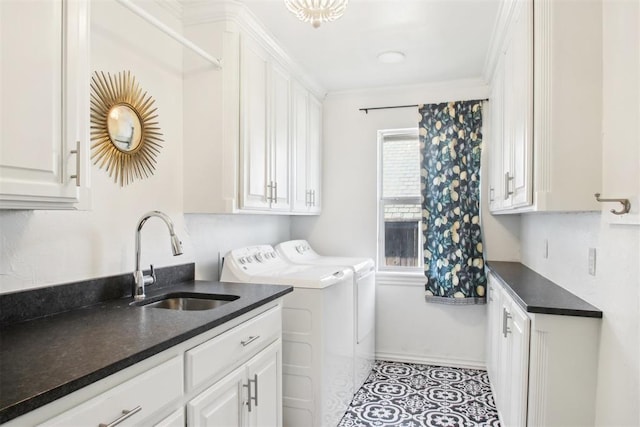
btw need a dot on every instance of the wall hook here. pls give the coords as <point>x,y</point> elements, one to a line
<point>626,205</point>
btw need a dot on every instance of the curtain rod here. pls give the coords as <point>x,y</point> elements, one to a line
<point>170,32</point>
<point>366,110</point>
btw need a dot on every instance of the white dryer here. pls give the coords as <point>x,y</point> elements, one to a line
<point>300,252</point>
<point>317,332</point>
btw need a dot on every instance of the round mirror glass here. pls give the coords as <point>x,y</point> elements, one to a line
<point>124,127</point>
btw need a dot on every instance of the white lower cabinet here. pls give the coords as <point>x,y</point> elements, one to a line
<point>131,401</point>
<point>508,350</point>
<point>228,376</point>
<point>541,367</point>
<point>246,397</point>
<point>513,366</point>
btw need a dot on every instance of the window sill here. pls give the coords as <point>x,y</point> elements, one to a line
<point>395,278</point>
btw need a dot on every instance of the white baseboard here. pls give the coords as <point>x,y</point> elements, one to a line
<point>414,358</point>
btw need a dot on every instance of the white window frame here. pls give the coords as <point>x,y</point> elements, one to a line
<point>382,267</point>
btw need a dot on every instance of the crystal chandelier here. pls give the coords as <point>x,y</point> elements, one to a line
<point>317,11</point>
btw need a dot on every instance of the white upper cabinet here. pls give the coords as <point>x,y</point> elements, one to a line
<point>307,136</point>
<point>314,159</point>
<point>496,152</point>
<point>249,133</point>
<point>545,139</point>
<point>44,138</point>
<point>254,145</point>
<point>280,123</point>
<point>264,135</point>
<point>518,94</point>
<point>512,99</point>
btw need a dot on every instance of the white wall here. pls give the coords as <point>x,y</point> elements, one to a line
<point>39,248</point>
<point>212,236</point>
<point>407,327</point>
<point>615,289</point>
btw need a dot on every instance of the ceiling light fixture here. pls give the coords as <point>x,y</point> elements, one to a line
<point>317,11</point>
<point>391,57</point>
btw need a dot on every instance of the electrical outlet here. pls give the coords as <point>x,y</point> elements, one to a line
<point>545,250</point>
<point>592,261</point>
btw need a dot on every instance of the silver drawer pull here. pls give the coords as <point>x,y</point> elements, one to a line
<point>507,179</point>
<point>76,176</point>
<point>255,389</point>
<point>249,396</point>
<point>249,340</point>
<point>125,414</point>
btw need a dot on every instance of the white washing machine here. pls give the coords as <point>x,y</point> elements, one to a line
<point>317,332</point>
<point>300,252</point>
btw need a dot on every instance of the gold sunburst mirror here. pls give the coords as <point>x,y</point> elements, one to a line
<point>125,138</point>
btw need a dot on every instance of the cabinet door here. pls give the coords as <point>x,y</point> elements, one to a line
<point>521,87</point>
<point>300,126</point>
<point>314,154</point>
<point>307,158</point>
<point>496,151</point>
<point>494,306</point>
<point>510,105</point>
<point>254,143</point>
<point>504,361</point>
<point>265,370</point>
<point>518,373</point>
<point>221,405</point>
<point>280,165</point>
<point>44,48</point>
<point>513,362</point>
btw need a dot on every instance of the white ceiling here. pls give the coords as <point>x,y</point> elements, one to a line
<point>443,40</point>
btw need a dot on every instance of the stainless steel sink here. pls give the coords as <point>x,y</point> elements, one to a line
<point>187,301</point>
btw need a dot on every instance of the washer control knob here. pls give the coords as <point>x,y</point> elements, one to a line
<point>242,260</point>
<point>259,257</point>
<point>300,249</point>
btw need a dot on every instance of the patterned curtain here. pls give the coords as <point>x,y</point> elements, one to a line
<point>450,147</point>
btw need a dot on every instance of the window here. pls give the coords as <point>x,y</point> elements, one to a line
<point>400,212</point>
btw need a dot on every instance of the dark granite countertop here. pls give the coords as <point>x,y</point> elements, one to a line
<point>536,294</point>
<point>46,358</point>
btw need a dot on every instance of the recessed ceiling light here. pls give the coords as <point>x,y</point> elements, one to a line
<point>391,57</point>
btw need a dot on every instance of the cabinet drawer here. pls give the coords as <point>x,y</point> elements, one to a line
<point>220,353</point>
<point>149,391</point>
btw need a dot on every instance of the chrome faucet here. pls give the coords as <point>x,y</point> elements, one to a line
<point>140,279</point>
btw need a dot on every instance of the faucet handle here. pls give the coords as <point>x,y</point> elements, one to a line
<point>150,279</point>
<point>153,274</point>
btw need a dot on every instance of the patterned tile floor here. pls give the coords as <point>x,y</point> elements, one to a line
<point>414,395</point>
